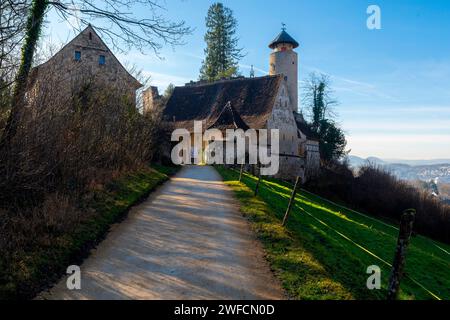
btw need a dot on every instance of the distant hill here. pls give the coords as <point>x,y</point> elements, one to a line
<point>409,169</point>
<point>419,162</point>
<point>356,161</point>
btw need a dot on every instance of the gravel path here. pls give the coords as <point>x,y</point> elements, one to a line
<point>187,241</point>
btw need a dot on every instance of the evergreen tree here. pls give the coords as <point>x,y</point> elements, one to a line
<point>332,140</point>
<point>222,53</point>
<point>169,90</point>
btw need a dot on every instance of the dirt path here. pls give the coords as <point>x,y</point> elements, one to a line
<point>187,241</point>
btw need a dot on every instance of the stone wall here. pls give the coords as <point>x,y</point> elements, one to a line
<point>150,99</point>
<point>282,118</point>
<point>96,64</point>
<point>312,158</point>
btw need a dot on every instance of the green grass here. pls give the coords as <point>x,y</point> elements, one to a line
<point>36,267</point>
<point>314,262</point>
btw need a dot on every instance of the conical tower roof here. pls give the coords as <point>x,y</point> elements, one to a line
<point>283,37</point>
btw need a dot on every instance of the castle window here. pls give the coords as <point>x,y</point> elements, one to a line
<point>90,35</point>
<point>77,55</point>
<point>101,60</point>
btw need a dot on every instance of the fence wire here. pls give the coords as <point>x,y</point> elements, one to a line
<point>435,296</point>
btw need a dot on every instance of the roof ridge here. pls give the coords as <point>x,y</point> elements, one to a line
<point>196,84</point>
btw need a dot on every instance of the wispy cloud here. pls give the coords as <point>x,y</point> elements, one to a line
<point>192,55</point>
<point>343,84</point>
<point>162,80</point>
<point>248,67</point>
<point>241,65</point>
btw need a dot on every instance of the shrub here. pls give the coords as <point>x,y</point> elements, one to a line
<point>66,148</point>
<point>377,192</point>
<point>68,144</point>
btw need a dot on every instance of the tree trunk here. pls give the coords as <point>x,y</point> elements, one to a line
<point>33,30</point>
<point>291,201</point>
<point>405,230</point>
<point>240,172</point>
<point>259,180</point>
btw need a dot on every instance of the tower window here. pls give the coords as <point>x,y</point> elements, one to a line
<point>90,35</point>
<point>101,60</point>
<point>77,56</point>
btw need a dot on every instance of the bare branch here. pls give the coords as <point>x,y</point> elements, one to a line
<point>116,22</point>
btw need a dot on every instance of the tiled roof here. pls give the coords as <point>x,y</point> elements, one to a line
<point>251,99</point>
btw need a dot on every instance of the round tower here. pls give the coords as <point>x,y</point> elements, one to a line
<point>284,60</point>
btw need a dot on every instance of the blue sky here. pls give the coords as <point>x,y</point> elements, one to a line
<point>393,84</point>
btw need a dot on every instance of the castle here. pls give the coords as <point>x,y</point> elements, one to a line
<point>268,102</point>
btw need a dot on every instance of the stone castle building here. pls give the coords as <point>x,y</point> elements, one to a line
<point>269,102</point>
<point>84,59</point>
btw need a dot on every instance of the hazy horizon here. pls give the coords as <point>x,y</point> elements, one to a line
<point>399,159</point>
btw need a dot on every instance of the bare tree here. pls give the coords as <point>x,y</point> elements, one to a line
<point>46,49</point>
<point>13,14</point>
<point>112,18</point>
<point>115,20</point>
<point>320,103</point>
<point>318,98</point>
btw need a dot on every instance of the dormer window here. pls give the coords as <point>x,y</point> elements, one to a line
<point>77,56</point>
<point>101,60</point>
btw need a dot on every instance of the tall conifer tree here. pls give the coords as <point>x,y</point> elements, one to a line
<point>222,53</point>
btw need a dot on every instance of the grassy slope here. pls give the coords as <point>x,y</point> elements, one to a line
<point>314,262</point>
<point>40,266</point>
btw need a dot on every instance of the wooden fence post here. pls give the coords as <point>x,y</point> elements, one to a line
<point>240,173</point>
<point>405,230</point>
<point>291,201</point>
<point>259,180</point>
